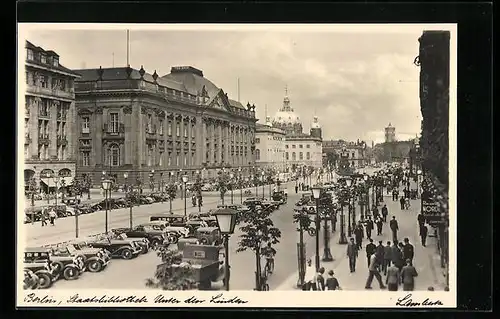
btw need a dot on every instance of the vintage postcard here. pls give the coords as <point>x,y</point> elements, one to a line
<point>240,165</point>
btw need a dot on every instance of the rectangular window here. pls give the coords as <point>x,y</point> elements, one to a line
<point>185,130</point>
<point>169,159</point>
<point>193,159</point>
<point>30,54</point>
<point>293,146</point>
<point>63,129</point>
<point>43,58</point>
<point>150,124</point>
<point>286,146</point>
<point>160,128</point>
<point>44,81</point>
<point>178,129</point>
<point>160,162</point>
<point>169,128</point>
<point>308,146</point>
<point>55,62</point>
<point>113,125</point>
<point>308,156</point>
<point>193,131</point>
<point>86,124</point>
<point>301,156</point>
<point>300,145</point>
<point>257,140</point>
<point>286,156</point>
<point>185,159</point>
<point>26,151</point>
<point>177,159</point>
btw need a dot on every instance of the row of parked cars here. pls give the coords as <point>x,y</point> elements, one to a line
<point>70,206</point>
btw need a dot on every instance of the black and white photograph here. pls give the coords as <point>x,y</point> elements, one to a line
<point>250,163</point>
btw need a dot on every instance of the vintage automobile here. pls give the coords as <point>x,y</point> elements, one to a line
<point>271,204</point>
<point>252,201</point>
<point>156,225</point>
<point>31,280</point>
<point>70,267</point>
<point>279,197</point>
<point>174,233</point>
<point>43,275</point>
<point>209,236</point>
<point>117,248</point>
<point>171,219</point>
<point>95,260</point>
<point>155,237</point>
<point>71,201</point>
<point>206,263</point>
<point>141,241</point>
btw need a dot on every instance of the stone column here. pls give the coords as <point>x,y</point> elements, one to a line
<point>128,123</point>
<point>211,138</point>
<point>227,143</point>
<point>34,109</point>
<point>71,133</point>
<point>220,150</point>
<point>53,129</point>
<point>141,137</point>
<point>190,140</point>
<point>201,147</point>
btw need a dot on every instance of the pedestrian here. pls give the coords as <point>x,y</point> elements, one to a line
<point>407,203</point>
<point>334,221</point>
<point>408,274</point>
<point>370,249</point>
<point>394,195</point>
<point>375,212</point>
<point>44,216</point>
<point>397,255</point>
<point>352,254</point>
<point>296,189</point>
<point>393,278</point>
<point>52,216</point>
<point>385,212</point>
<point>423,234</point>
<point>358,234</point>
<point>394,228</point>
<point>331,282</point>
<point>379,224</point>
<point>369,228</point>
<point>319,280</point>
<point>402,202</point>
<point>408,250</point>
<point>387,257</point>
<point>401,259</point>
<point>309,276</point>
<point>420,219</point>
<point>373,271</point>
<point>380,253</point>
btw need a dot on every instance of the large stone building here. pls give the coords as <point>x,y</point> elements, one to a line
<point>300,149</point>
<point>49,142</point>
<point>135,122</point>
<point>353,152</point>
<point>393,150</point>
<point>270,146</point>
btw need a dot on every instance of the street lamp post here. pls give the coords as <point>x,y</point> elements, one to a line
<point>170,192</point>
<point>349,183</point>
<point>161,186</point>
<point>106,185</point>
<point>316,192</point>
<point>151,180</point>
<point>77,189</point>
<point>89,186</point>
<point>226,222</point>
<point>32,188</point>
<point>198,181</point>
<point>241,190</point>
<point>263,194</point>
<point>255,179</point>
<point>343,238</point>
<point>185,180</point>
<point>419,174</point>
<point>231,183</point>
<point>240,179</point>
<point>327,254</point>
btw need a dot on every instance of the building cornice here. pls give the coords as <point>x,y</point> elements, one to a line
<point>49,69</point>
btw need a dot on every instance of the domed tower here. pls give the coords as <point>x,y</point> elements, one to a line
<point>390,134</point>
<point>286,119</point>
<point>316,128</point>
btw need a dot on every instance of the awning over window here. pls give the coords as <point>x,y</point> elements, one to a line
<point>50,182</point>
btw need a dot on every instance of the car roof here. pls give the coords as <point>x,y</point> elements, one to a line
<point>36,250</point>
<point>207,228</point>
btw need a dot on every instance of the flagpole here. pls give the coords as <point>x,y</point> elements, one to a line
<point>128,47</point>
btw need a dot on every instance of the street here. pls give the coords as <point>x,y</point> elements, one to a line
<point>131,274</point>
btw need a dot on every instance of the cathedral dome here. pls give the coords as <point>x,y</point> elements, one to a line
<point>286,114</point>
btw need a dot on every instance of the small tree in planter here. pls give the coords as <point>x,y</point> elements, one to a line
<point>222,184</point>
<point>171,191</point>
<point>257,228</point>
<point>168,278</point>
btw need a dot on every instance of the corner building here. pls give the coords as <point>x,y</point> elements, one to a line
<point>135,122</point>
<point>49,140</point>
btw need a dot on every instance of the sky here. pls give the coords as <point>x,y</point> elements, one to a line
<point>356,80</point>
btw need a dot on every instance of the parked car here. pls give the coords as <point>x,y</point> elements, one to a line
<point>154,236</point>
<point>141,241</point>
<point>174,233</point>
<point>69,267</point>
<point>117,248</point>
<point>171,219</point>
<point>71,201</point>
<point>38,275</point>
<point>280,197</point>
<point>95,260</point>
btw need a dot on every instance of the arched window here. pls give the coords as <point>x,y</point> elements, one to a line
<point>114,155</point>
<point>257,154</point>
<point>65,172</point>
<point>294,156</point>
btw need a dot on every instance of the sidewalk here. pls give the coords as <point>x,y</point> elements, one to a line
<point>426,261</point>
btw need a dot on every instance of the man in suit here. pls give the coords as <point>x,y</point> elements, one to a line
<point>369,227</point>
<point>358,234</point>
<point>379,224</point>
<point>374,272</point>
<point>385,212</point>
<point>387,257</point>
<point>352,254</point>
<point>394,228</point>
<point>402,202</point>
<point>423,234</point>
<point>420,219</point>
<point>408,250</point>
<point>370,249</point>
<point>408,274</point>
<point>393,278</point>
<point>379,252</point>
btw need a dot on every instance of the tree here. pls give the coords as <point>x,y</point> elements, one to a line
<point>222,183</point>
<point>167,277</point>
<point>257,228</point>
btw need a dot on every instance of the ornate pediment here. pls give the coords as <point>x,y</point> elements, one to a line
<point>220,102</point>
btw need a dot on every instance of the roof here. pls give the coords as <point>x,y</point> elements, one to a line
<point>59,67</point>
<point>236,104</point>
<point>192,79</point>
<point>120,73</point>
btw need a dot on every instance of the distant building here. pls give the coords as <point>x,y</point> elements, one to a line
<point>301,149</point>
<point>393,150</point>
<point>49,142</point>
<point>390,134</point>
<point>353,152</point>
<point>269,146</point>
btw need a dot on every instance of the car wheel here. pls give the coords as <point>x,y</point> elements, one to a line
<point>311,209</point>
<point>204,241</point>
<point>144,249</point>
<point>155,243</point>
<point>127,254</point>
<point>71,273</point>
<point>205,285</point>
<point>44,280</point>
<point>312,232</point>
<point>173,239</point>
<point>94,266</point>
<point>57,267</point>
